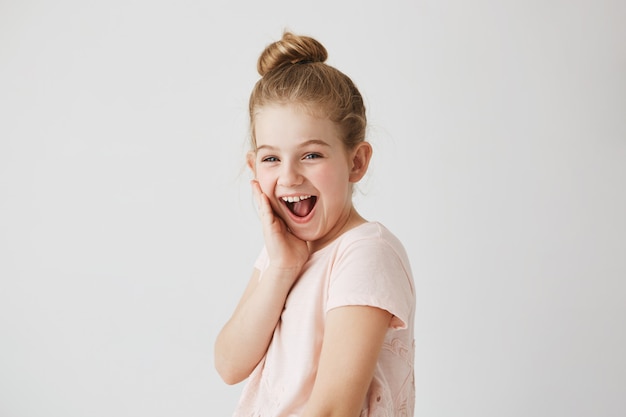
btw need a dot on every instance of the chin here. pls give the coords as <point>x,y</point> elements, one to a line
<point>305,235</point>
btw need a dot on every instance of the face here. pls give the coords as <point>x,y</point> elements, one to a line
<point>306,171</point>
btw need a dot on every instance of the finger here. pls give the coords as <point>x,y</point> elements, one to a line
<point>256,193</point>
<point>262,202</point>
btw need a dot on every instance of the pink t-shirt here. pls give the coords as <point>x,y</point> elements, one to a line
<point>367,265</point>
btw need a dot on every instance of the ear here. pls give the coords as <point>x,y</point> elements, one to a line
<point>251,161</point>
<point>361,155</point>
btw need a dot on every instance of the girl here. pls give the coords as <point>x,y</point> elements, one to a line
<point>325,325</point>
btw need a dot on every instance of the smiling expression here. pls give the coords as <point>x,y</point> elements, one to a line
<point>305,170</point>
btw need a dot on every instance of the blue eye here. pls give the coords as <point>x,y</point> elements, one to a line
<point>312,156</point>
<point>269,159</point>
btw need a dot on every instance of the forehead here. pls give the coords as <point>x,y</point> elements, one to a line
<point>292,124</point>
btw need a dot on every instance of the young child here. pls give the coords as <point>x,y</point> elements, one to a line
<point>325,325</point>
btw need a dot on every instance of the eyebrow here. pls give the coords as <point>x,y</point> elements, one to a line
<point>302,145</point>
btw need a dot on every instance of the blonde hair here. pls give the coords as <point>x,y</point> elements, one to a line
<point>293,71</point>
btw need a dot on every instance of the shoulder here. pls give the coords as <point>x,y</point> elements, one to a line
<point>372,239</point>
<point>370,267</point>
<point>370,231</point>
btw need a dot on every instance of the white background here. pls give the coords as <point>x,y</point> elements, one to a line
<point>127,231</point>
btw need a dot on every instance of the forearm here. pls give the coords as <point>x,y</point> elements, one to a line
<point>353,338</point>
<point>328,411</point>
<point>244,339</point>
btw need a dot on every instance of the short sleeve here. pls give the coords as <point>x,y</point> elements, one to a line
<point>371,272</point>
<point>262,260</point>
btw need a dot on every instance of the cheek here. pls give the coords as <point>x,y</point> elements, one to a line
<point>333,178</point>
<point>266,182</point>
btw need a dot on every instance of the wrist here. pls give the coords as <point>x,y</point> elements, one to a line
<point>283,273</point>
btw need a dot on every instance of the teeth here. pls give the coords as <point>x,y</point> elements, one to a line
<point>295,199</point>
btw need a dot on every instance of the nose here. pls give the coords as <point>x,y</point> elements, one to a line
<point>289,175</point>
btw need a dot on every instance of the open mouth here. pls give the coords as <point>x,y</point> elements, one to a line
<point>300,206</point>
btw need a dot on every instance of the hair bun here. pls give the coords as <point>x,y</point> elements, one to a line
<point>290,49</point>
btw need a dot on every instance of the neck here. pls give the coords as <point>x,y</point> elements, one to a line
<point>352,220</point>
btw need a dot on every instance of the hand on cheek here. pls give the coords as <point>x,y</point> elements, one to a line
<point>263,206</point>
<point>285,250</point>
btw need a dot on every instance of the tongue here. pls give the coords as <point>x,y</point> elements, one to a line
<point>303,207</point>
